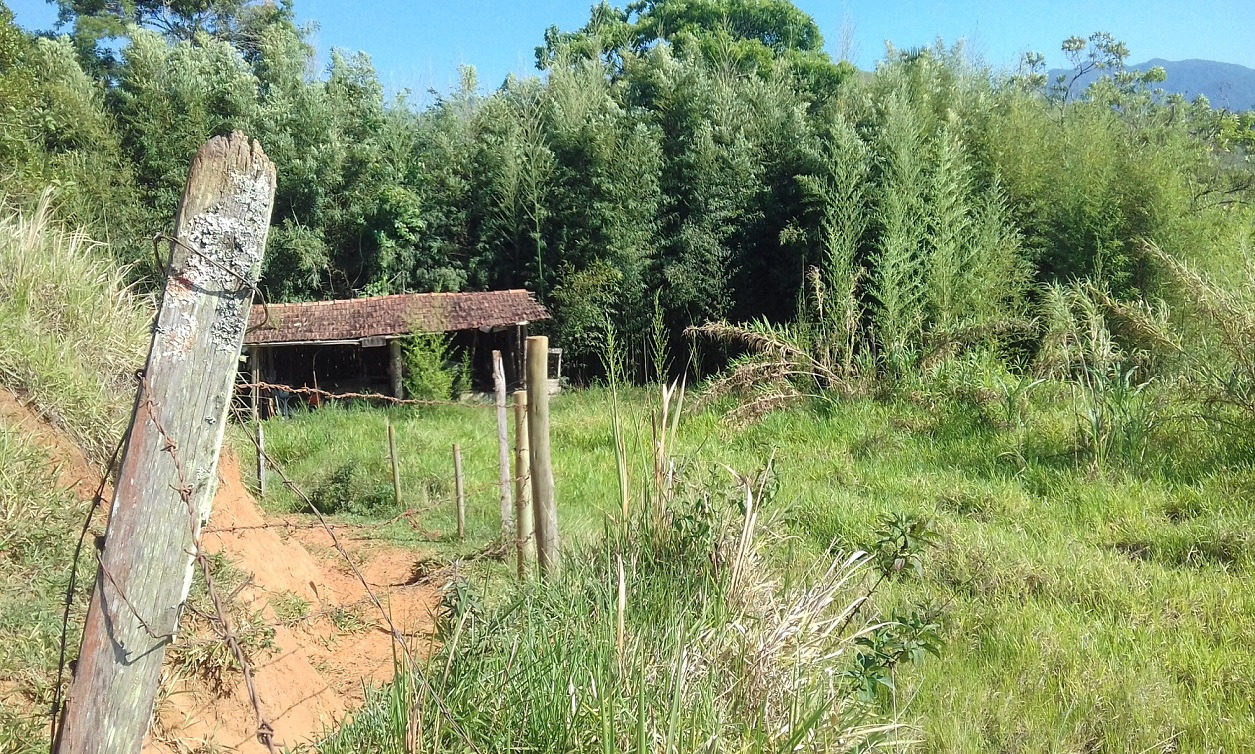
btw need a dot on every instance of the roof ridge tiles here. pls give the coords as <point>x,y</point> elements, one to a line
<point>394,314</point>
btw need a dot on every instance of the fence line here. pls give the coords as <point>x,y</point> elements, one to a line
<point>219,620</point>
<point>249,386</point>
<point>414,668</point>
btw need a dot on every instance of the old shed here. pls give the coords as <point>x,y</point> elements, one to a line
<point>354,345</point>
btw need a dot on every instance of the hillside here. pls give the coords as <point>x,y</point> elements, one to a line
<point>72,333</point>
<point>1225,85</point>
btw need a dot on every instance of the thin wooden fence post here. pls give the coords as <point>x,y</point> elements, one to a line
<point>503,448</point>
<point>255,375</point>
<point>261,461</point>
<point>396,463</point>
<point>544,508</point>
<point>461,490</point>
<point>169,469</point>
<point>524,537</point>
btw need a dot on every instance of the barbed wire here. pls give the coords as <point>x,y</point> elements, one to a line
<point>264,730</point>
<point>72,586</point>
<point>245,282</point>
<point>219,621</point>
<point>241,386</point>
<point>411,515</point>
<point>370,593</point>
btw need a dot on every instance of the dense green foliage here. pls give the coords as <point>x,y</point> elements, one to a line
<point>706,150</point>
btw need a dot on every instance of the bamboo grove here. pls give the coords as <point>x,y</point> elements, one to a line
<point>682,162</point>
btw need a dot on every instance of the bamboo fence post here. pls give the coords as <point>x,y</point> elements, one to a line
<point>503,448</point>
<point>261,461</point>
<point>524,538</point>
<point>396,463</point>
<point>169,469</point>
<point>543,505</point>
<point>461,490</point>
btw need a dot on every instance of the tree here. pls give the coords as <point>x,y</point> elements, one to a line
<point>745,35</point>
<point>96,24</point>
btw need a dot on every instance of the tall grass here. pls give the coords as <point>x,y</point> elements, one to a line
<point>668,632</point>
<point>1082,611</point>
<point>72,333</point>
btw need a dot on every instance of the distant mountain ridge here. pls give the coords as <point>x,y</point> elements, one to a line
<point>1226,85</point>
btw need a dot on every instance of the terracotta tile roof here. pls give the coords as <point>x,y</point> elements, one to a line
<point>352,319</point>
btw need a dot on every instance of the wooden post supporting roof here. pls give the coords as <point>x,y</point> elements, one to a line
<point>169,468</point>
<point>396,369</point>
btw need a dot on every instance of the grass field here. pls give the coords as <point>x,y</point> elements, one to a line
<point>1087,603</point>
<point>1084,608</point>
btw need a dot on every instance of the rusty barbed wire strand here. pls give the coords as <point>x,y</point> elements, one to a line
<point>409,515</point>
<point>72,586</point>
<point>374,599</point>
<point>242,386</point>
<point>245,282</point>
<point>264,730</point>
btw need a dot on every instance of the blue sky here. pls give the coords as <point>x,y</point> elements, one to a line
<point>419,44</point>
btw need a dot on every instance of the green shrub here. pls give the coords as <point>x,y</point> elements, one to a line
<point>350,489</point>
<point>429,374</point>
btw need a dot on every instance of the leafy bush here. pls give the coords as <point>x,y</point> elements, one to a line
<point>350,489</point>
<point>430,372</point>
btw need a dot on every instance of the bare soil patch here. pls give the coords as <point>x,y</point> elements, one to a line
<point>321,658</point>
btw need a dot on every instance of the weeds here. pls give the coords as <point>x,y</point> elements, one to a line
<point>1118,409</point>
<point>669,632</point>
<point>1229,317</point>
<point>200,651</point>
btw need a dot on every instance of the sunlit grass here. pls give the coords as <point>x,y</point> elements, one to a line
<point>1099,609</point>
<point>71,333</point>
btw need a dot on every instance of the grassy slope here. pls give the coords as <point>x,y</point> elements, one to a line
<point>71,332</point>
<point>71,337</point>
<point>36,518</point>
<point>1086,610</point>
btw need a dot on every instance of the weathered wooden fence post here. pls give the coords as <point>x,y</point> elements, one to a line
<point>524,535</point>
<point>543,505</point>
<point>461,490</point>
<point>396,368</point>
<point>396,464</point>
<point>168,473</point>
<point>503,449</point>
